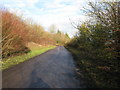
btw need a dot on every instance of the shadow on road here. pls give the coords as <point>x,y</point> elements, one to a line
<point>37,82</point>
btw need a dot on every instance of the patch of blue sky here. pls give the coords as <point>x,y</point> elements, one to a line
<point>40,4</point>
<point>5,1</point>
<point>66,3</point>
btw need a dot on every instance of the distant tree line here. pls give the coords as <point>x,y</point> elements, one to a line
<point>17,32</point>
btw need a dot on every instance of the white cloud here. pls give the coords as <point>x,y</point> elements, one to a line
<point>31,2</point>
<point>50,12</point>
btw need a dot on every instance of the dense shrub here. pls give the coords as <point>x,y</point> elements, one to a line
<point>14,36</point>
<point>96,46</point>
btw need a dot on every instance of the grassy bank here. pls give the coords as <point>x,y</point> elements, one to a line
<point>95,73</point>
<point>6,63</point>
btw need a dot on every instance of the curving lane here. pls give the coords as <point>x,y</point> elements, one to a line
<point>52,69</point>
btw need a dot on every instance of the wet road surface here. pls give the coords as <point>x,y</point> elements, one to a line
<point>53,69</point>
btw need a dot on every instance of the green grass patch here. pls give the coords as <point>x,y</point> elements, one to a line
<point>6,63</point>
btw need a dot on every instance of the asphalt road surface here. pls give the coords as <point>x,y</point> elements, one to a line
<point>53,69</point>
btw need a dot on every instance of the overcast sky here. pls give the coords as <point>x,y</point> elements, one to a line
<point>48,12</point>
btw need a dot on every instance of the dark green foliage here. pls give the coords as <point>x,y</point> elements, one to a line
<point>96,48</point>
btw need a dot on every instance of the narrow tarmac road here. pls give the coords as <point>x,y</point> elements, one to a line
<point>53,69</point>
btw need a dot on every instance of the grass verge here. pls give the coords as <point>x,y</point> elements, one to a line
<point>7,63</point>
